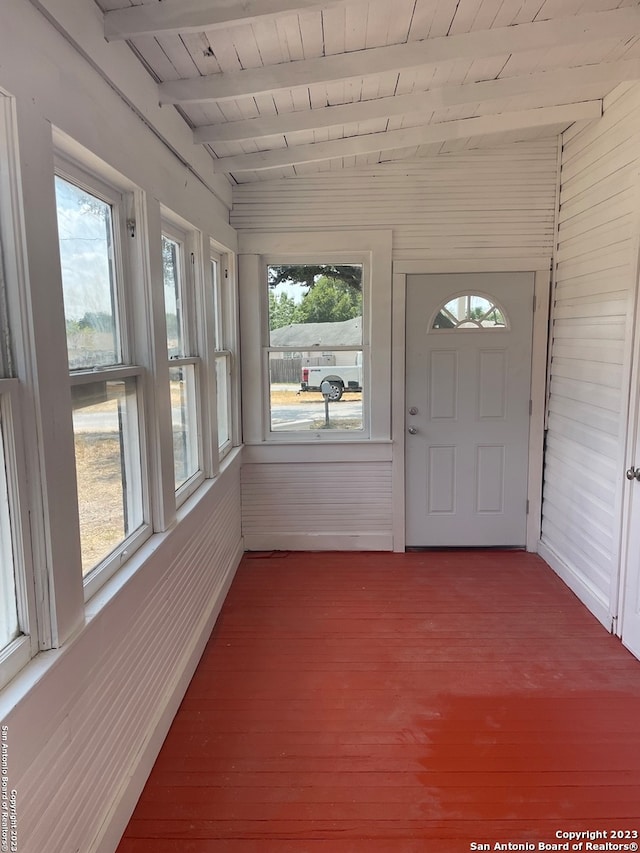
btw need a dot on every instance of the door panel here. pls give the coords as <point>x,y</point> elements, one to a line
<point>467,447</point>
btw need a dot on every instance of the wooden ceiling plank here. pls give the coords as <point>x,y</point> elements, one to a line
<point>193,16</point>
<point>559,84</point>
<point>356,145</point>
<point>465,16</point>
<point>333,26</point>
<point>443,18</point>
<point>422,19</point>
<point>577,30</point>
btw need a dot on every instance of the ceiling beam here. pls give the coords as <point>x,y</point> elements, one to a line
<point>564,86</point>
<point>409,137</point>
<point>559,32</point>
<point>196,16</point>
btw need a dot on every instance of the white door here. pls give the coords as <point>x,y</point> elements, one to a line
<point>468,379</point>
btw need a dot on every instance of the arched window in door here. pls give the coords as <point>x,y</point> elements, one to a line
<point>470,311</point>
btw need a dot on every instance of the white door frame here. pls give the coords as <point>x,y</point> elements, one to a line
<point>542,282</point>
<point>629,561</point>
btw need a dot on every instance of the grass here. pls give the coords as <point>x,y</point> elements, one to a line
<point>290,398</point>
<point>99,496</point>
<point>99,475</point>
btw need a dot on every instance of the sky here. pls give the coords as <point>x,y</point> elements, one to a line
<point>84,251</point>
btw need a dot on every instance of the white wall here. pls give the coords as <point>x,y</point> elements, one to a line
<point>596,275</point>
<point>493,203</point>
<point>86,719</point>
<point>486,206</point>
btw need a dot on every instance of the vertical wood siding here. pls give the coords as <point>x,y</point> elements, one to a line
<point>494,203</point>
<point>594,298</point>
<point>317,506</point>
<point>75,754</point>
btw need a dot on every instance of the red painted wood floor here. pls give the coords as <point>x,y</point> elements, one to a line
<point>399,702</point>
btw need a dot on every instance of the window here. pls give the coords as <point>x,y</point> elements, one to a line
<point>316,347</point>
<point>105,386</point>
<point>223,356</point>
<point>470,311</point>
<point>18,637</point>
<point>184,361</point>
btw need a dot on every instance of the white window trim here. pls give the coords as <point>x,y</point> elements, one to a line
<point>119,197</point>
<point>224,307</point>
<point>256,250</point>
<point>288,436</point>
<point>24,492</point>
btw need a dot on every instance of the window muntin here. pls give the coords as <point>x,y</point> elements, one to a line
<point>86,238</point>
<point>316,335</point>
<point>106,392</point>
<point>470,311</point>
<point>184,360</point>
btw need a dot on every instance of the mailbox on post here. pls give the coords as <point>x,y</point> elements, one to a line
<point>325,389</point>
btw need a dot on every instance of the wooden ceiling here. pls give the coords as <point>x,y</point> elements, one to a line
<point>275,88</point>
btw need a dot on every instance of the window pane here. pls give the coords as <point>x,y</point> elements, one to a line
<point>300,404</point>
<point>217,304</point>
<point>313,306</point>
<point>85,231</point>
<point>107,442</point>
<point>469,311</point>
<point>185,424</point>
<point>172,297</point>
<point>8,603</point>
<point>222,385</point>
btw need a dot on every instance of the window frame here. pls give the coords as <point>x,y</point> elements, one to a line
<point>460,325</point>
<point>120,200</point>
<point>190,284</point>
<point>224,334</point>
<point>357,258</point>
<point>376,245</point>
<point>23,493</point>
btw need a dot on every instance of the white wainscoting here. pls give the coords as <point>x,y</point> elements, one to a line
<point>317,506</point>
<point>84,737</point>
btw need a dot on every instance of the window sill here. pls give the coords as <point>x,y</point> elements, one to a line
<point>308,451</point>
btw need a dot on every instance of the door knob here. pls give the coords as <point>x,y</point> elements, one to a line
<point>633,473</point>
<point>414,431</point>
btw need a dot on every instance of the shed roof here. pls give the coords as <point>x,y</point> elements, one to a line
<point>289,87</point>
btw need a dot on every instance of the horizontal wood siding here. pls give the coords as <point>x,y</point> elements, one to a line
<point>131,663</point>
<point>494,203</point>
<point>322,505</point>
<point>594,297</point>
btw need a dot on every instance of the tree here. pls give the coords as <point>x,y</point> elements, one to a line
<point>308,275</point>
<point>283,311</point>
<point>330,301</point>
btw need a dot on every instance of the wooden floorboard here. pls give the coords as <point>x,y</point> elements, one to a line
<point>398,702</point>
